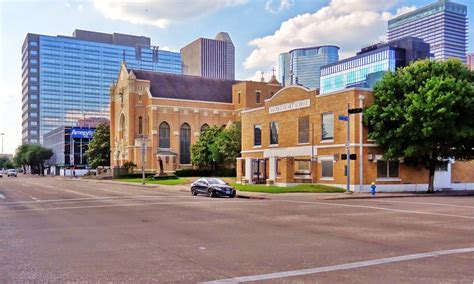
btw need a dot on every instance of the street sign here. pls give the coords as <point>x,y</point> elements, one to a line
<point>355,110</point>
<point>343,117</point>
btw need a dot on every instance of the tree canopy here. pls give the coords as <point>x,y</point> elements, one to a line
<point>424,114</point>
<point>217,147</point>
<point>98,151</point>
<point>32,155</point>
<point>5,163</point>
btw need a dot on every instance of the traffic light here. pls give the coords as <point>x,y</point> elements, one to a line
<point>355,110</point>
<point>343,157</point>
<point>353,156</point>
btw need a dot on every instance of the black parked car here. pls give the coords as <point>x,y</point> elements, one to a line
<point>212,187</point>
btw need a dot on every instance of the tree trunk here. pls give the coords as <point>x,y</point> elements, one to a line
<point>432,169</point>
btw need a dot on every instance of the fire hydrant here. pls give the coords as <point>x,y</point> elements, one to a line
<point>373,187</point>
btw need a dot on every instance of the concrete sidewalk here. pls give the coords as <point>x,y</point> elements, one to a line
<point>297,195</point>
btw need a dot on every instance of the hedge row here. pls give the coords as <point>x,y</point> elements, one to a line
<point>206,173</point>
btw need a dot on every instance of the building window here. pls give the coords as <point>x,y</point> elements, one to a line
<point>238,98</point>
<point>140,125</point>
<point>33,79</point>
<point>33,52</point>
<point>33,43</point>
<point>34,114</point>
<point>33,88</point>
<point>327,127</point>
<point>33,61</point>
<point>303,129</point>
<point>327,168</point>
<point>257,96</point>
<point>185,144</point>
<point>273,133</point>
<point>122,126</point>
<point>303,166</point>
<point>387,169</point>
<point>33,70</point>
<point>164,135</point>
<point>257,135</point>
<point>204,127</point>
<point>33,123</point>
<point>167,160</point>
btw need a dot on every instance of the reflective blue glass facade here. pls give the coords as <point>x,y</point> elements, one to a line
<point>358,71</point>
<point>442,24</point>
<point>369,65</point>
<point>303,66</point>
<point>69,78</point>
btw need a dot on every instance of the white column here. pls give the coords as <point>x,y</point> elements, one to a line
<point>272,170</point>
<point>248,170</point>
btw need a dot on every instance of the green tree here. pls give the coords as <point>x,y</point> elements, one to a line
<point>205,152</point>
<point>98,152</point>
<point>229,143</point>
<point>32,155</point>
<point>5,163</point>
<point>424,113</point>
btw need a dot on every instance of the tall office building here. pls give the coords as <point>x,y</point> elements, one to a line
<point>284,69</point>
<point>302,66</point>
<point>369,65</point>
<point>68,78</point>
<point>470,61</point>
<point>214,58</point>
<point>442,24</point>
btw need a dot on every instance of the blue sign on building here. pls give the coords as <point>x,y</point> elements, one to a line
<point>82,133</point>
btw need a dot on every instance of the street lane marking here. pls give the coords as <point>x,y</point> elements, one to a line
<point>424,203</point>
<point>86,199</point>
<point>351,265</point>
<point>379,208</point>
<point>2,196</point>
<point>121,205</point>
<point>35,199</point>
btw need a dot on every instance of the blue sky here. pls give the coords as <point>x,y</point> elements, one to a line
<point>260,30</point>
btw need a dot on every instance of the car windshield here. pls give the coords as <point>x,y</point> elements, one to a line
<point>215,181</point>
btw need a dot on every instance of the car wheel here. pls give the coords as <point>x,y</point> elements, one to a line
<point>210,193</point>
<point>233,194</point>
<point>193,191</point>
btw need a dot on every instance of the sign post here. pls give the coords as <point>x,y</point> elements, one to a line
<point>348,150</point>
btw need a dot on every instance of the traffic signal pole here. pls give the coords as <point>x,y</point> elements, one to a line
<point>348,150</point>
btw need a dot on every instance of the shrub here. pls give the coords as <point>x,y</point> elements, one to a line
<point>206,173</point>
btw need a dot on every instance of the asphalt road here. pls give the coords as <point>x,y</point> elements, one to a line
<point>59,230</point>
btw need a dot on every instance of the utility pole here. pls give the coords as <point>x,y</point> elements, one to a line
<point>2,134</point>
<point>348,150</point>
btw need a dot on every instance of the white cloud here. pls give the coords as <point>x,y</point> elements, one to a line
<point>349,24</point>
<point>272,6</point>
<point>160,13</point>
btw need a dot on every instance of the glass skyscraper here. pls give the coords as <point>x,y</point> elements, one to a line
<point>369,65</point>
<point>68,78</point>
<point>442,24</point>
<point>303,66</point>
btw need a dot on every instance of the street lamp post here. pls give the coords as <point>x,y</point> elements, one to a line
<point>2,134</point>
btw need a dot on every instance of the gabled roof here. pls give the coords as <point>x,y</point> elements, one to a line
<point>185,87</point>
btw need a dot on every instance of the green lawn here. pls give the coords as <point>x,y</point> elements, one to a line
<point>162,182</point>
<point>298,188</point>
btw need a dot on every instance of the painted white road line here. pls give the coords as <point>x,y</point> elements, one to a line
<point>344,266</point>
<point>378,208</point>
<point>122,205</point>
<point>88,199</point>
<point>34,198</point>
<point>2,196</point>
<point>423,203</point>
